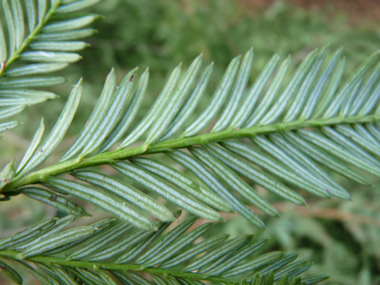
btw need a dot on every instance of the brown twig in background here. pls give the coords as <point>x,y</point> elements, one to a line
<point>317,212</point>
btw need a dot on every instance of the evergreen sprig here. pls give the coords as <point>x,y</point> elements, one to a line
<point>296,131</point>
<point>44,42</point>
<point>107,253</point>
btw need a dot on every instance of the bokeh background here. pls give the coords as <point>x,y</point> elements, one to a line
<point>342,237</point>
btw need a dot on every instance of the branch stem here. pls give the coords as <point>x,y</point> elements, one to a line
<point>120,154</point>
<point>113,266</point>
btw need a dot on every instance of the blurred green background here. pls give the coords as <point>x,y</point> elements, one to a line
<point>342,237</point>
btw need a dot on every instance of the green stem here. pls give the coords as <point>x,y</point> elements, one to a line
<point>110,157</point>
<point>113,266</point>
<point>29,38</point>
